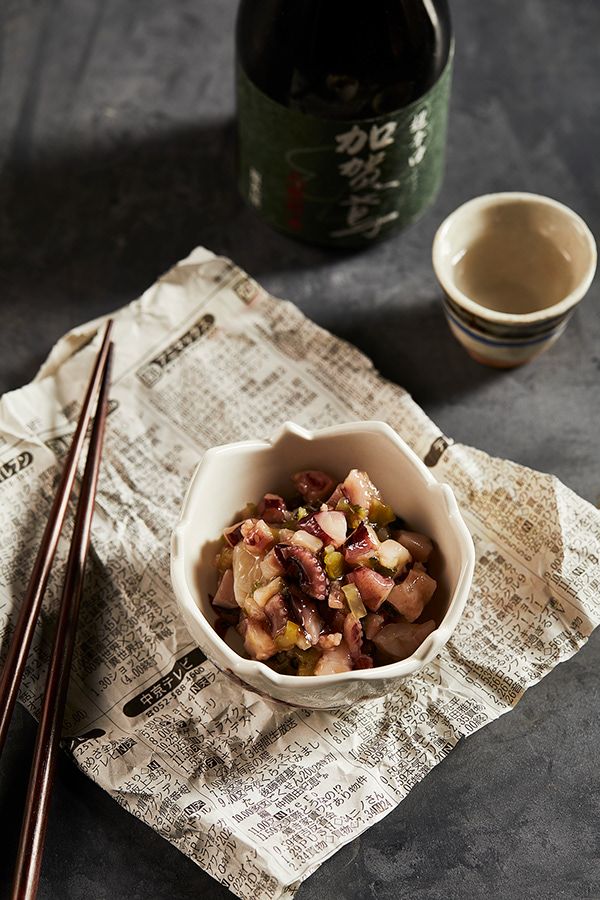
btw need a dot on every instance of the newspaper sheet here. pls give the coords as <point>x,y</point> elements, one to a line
<point>256,793</point>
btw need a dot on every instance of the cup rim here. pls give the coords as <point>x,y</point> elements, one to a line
<point>492,315</point>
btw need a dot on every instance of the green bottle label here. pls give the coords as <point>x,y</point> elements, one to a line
<point>342,183</point>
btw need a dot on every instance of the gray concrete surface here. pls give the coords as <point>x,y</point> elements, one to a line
<point>117,158</point>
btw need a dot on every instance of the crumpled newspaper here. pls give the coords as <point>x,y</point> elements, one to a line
<point>256,793</point>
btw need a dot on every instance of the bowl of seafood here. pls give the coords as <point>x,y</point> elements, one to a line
<point>319,567</point>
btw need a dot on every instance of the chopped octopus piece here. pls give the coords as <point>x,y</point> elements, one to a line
<point>299,562</point>
<point>372,623</point>
<point>359,489</point>
<point>373,587</point>
<point>258,642</point>
<point>401,639</point>
<point>305,613</point>
<point>270,566</point>
<point>257,536</point>
<point>337,495</point>
<point>264,592</point>
<point>313,485</point>
<point>272,508</point>
<point>233,534</point>
<point>336,619</point>
<point>276,612</point>
<point>411,595</point>
<point>327,641</point>
<point>225,596</point>
<point>361,546</point>
<point>418,545</point>
<point>305,539</point>
<point>353,635</point>
<point>337,598</point>
<point>364,661</point>
<point>246,572</point>
<point>393,555</point>
<point>334,661</point>
<point>329,526</point>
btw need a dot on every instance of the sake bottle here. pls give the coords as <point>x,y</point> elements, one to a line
<point>342,109</point>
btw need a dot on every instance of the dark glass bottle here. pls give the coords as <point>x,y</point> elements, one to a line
<point>342,109</point>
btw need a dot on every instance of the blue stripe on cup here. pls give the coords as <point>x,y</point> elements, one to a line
<point>494,342</point>
<point>503,330</point>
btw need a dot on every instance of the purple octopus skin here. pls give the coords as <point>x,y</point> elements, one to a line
<point>305,613</point>
<point>364,661</point>
<point>272,508</point>
<point>329,526</point>
<point>300,562</point>
<point>418,545</point>
<point>277,613</point>
<point>233,534</point>
<point>374,588</point>
<point>313,485</point>
<point>361,544</point>
<point>353,635</point>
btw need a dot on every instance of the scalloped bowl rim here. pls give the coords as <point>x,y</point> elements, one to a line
<point>246,668</point>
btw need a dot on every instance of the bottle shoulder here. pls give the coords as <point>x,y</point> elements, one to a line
<point>343,59</point>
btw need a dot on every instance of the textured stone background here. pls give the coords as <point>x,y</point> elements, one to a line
<point>117,158</point>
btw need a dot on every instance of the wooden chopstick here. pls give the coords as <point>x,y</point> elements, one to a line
<point>35,819</point>
<point>12,673</point>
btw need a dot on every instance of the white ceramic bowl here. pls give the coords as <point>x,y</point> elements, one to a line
<point>512,266</point>
<point>229,476</point>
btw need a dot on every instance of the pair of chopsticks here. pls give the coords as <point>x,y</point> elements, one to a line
<point>35,819</point>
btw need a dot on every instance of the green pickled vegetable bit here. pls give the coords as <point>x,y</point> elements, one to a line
<point>354,514</point>
<point>308,660</point>
<point>359,515</point>
<point>301,512</point>
<point>285,663</point>
<point>287,640</point>
<point>380,513</point>
<point>334,564</point>
<point>354,600</point>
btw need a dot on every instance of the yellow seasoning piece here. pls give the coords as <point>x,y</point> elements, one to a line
<point>334,564</point>
<point>354,514</point>
<point>287,639</point>
<point>308,660</point>
<point>354,600</point>
<point>380,513</point>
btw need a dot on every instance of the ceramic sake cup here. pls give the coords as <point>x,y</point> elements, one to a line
<point>512,266</point>
<point>228,477</point>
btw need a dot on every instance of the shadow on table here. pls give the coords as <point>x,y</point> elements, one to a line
<point>14,775</point>
<point>111,218</point>
<point>85,230</point>
<point>412,346</point>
